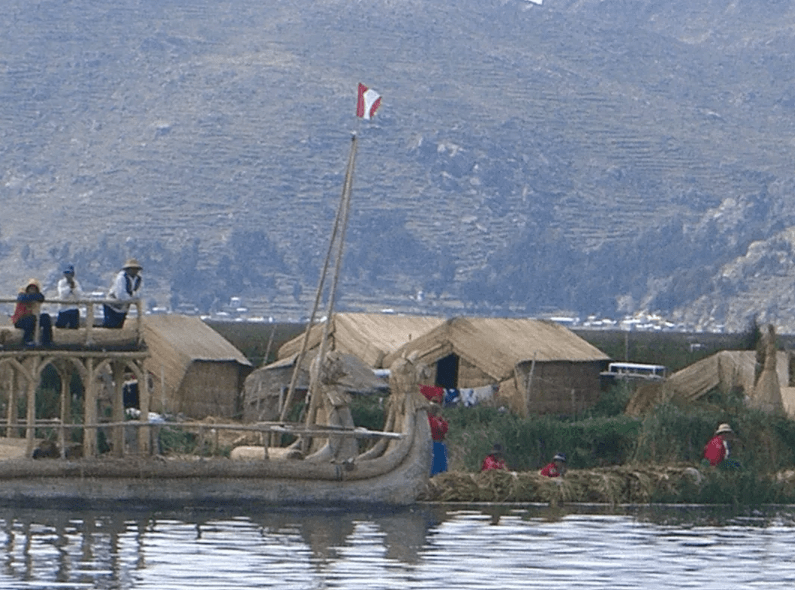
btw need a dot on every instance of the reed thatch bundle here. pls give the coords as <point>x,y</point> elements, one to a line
<point>631,484</point>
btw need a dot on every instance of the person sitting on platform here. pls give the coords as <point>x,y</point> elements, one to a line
<point>126,286</point>
<point>28,307</point>
<point>494,460</point>
<point>69,292</point>
<point>556,468</point>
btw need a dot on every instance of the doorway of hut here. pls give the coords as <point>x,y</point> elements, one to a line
<point>447,372</point>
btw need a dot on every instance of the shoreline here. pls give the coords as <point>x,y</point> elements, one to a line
<point>627,485</point>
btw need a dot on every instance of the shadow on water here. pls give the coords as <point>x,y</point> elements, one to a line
<point>67,546</point>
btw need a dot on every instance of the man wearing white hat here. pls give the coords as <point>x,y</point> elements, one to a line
<point>126,286</point>
<point>717,449</point>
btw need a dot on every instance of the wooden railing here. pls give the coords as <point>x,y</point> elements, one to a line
<point>89,315</point>
<point>203,430</point>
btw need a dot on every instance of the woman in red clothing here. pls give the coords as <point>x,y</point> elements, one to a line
<point>27,310</point>
<point>439,428</point>
<point>494,460</point>
<point>717,448</point>
<point>556,468</point>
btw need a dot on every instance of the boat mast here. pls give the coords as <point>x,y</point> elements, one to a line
<point>335,250</point>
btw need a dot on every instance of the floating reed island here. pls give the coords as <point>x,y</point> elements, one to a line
<point>630,484</point>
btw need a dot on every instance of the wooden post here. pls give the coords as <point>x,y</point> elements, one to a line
<point>30,426</point>
<point>13,396</point>
<point>37,328</point>
<point>529,386</point>
<point>139,320</point>
<point>65,409</point>
<point>144,432</point>
<point>89,324</point>
<point>117,411</point>
<point>90,413</point>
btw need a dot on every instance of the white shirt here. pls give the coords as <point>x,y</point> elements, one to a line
<point>69,294</point>
<point>119,288</point>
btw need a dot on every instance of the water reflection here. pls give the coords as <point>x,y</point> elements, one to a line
<point>425,547</point>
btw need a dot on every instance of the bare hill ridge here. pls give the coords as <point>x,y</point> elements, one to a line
<point>597,156</point>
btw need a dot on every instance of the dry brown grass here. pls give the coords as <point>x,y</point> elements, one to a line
<point>612,485</point>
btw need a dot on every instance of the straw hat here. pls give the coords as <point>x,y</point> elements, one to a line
<point>723,429</point>
<point>132,263</point>
<point>30,282</point>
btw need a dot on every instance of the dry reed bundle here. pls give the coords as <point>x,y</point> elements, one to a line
<point>630,484</point>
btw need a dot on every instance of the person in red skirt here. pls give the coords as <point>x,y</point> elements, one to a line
<point>439,428</point>
<point>556,468</point>
<point>717,449</point>
<point>494,460</point>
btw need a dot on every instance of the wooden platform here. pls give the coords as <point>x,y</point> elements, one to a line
<point>124,339</point>
<point>13,448</point>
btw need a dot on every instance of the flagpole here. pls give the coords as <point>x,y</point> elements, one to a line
<point>345,203</point>
<point>368,102</point>
<point>340,221</point>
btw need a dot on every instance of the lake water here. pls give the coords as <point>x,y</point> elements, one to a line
<point>433,547</point>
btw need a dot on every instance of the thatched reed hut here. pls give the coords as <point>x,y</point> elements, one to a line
<point>193,370</point>
<point>368,336</point>
<point>540,366</point>
<point>724,371</point>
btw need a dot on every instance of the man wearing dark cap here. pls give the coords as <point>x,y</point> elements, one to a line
<point>69,292</point>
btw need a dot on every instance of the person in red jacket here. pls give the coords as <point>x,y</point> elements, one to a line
<point>556,468</point>
<point>494,460</point>
<point>717,449</point>
<point>27,309</point>
<point>439,428</point>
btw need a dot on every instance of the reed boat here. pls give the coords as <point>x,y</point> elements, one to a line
<point>395,476</point>
<point>322,465</point>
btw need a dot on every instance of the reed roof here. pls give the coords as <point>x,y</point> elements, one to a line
<point>175,342</point>
<point>189,339</point>
<point>368,336</point>
<point>725,370</point>
<point>497,345</point>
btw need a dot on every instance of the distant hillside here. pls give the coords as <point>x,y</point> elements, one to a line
<point>600,156</point>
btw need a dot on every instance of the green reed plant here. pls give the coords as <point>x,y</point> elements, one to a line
<point>530,443</point>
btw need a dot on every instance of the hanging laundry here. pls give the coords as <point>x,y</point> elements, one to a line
<point>433,393</point>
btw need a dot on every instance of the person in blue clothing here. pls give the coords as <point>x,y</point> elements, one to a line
<point>439,428</point>
<point>126,286</point>
<point>28,308</point>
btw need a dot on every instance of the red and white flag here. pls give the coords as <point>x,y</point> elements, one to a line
<point>368,103</point>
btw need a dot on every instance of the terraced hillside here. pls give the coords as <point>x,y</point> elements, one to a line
<point>602,156</point>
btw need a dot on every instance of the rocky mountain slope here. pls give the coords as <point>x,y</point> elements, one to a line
<point>598,156</point>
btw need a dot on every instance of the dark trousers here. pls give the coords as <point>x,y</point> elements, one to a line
<point>28,325</point>
<point>113,318</point>
<point>69,318</point>
<point>439,464</point>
